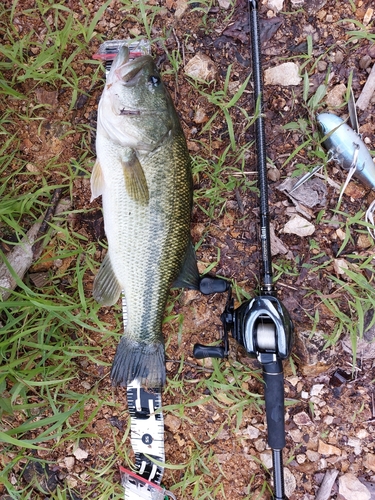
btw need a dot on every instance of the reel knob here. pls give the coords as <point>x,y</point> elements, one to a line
<point>201,351</point>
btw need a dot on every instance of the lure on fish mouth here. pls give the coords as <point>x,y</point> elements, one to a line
<point>143,173</point>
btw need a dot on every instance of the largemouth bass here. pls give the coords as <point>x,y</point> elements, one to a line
<point>143,173</point>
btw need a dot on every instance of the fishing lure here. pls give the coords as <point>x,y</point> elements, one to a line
<point>346,148</point>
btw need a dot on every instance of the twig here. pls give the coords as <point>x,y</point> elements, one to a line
<point>367,91</point>
<point>24,254</point>
<point>324,492</point>
<point>40,244</point>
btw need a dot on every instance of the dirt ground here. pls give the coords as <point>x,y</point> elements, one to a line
<point>330,419</point>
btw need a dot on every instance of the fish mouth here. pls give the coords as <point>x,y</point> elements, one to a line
<point>127,70</point>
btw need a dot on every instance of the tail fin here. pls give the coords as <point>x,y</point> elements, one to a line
<point>138,360</point>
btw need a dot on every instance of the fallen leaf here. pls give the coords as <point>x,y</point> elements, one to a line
<point>299,226</point>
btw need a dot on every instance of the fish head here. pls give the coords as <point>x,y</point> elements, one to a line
<point>136,109</point>
<point>327,122</point>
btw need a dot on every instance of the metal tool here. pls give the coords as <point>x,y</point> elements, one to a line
<point>262,325</point>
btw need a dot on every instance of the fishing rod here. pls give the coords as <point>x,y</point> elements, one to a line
<point>262,325</point>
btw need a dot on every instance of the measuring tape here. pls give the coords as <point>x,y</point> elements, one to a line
<point>147,440</point>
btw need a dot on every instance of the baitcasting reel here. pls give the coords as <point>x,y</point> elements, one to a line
<point>261,325</point>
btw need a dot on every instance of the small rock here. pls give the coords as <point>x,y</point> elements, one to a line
<point>363,241</point>
<point>356,444</point>
<point>266,459</point>
<point>362,434</point>
<point>351,488</point>
<point>365,349</point>
<point>290,483</point>
<point>172,423</point>
<point>80,454</point>
<point>222,458</point>
<point>299,226</point>
<point>46,97</point>
<point>328,449</point>
<point>356,191</point>
<point>316,389</point>
<point>201,67</point>
<point>340,234</point>
<point>335,97</point>
<point>329,419</point>
<point>297,4</point>
<point>368,16</point>
<point>301,458</point>
<point>260,445</point>
<point>365,62</point>
<point>275,5</point>
<point>71,481</point>
<point>69,462</point>
<point>296,435</point>
<point>340,265</point>
<point>181,6</point>
<point>293,380</point>
<point>252,432</point>
<point>302,418</point>
<point>285,74</point>
<point>313,456</point>
<point>313,6</point>
<point>273,174</point>
<point>369,461</point>
<point>321,66</point>
<point>339,57</point>
<point>200,116</point>
<point>224,4</point>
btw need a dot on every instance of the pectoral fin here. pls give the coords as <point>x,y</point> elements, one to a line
<point>135,180</point>
<point>97,181</point>
<point>106,288</point>
<point>189,275</point>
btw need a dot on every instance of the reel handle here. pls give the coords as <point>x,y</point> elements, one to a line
<point>201,351</point>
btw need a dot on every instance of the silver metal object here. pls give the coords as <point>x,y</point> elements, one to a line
<point>345,145</point>
<point>305,178</point>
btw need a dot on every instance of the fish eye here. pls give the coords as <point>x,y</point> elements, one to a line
<point>154,80</point>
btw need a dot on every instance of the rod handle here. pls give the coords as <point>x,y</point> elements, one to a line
<point>274,397</point>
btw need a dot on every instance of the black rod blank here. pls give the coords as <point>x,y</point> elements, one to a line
<point>265,238</point>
